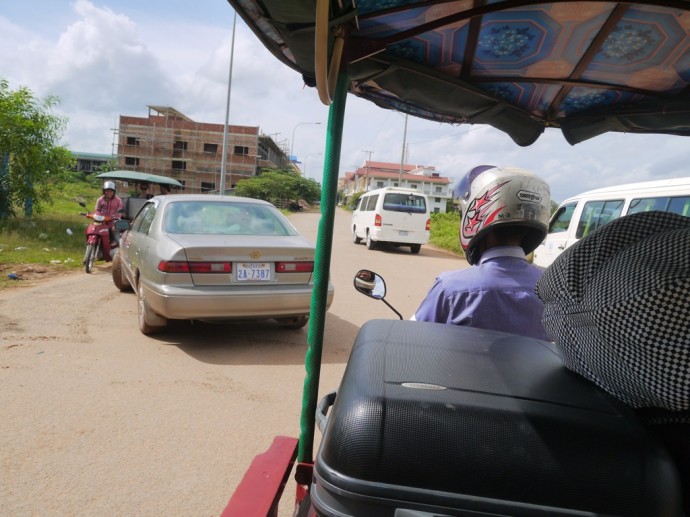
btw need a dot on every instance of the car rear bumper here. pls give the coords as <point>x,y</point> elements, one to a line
<point>398,237</point>
<point>219,303</point>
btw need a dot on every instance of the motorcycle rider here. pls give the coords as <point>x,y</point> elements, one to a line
<point>505,215</point>
<point>110,205</point>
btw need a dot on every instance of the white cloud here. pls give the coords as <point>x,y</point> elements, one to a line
<point>105,59</point>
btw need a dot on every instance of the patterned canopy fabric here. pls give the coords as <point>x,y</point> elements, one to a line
<point>617,305</point>
<point>521,66</point>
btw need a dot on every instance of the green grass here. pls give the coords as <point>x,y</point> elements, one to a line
<point>44,239</point>
<point>444,232</point>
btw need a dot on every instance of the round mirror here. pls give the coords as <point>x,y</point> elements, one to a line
<point>369,283</point>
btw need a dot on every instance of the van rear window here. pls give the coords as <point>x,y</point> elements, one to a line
<point>397,202</point>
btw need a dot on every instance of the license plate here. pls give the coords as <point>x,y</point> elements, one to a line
<point>253,271</point>
<point>402,233</point>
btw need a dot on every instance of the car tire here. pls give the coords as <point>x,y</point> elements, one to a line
<point>371,244</point>
<point>296,322</point>
<point>145,314</point>
<point>90,257</point>
<point>355,239</point>
<point>119,278</point>
<point>414,248</point>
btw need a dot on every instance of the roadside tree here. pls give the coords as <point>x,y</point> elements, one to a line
<point>31,162</point>
<point>278,186</point>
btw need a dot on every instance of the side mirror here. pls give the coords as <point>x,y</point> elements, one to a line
<point>122,225</point>
<point>369,283</point>
<point>372,284</point>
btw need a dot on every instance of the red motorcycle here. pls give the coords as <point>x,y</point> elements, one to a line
<point>98,239</point>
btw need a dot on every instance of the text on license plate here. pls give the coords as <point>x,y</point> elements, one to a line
<point>402,233</point>
<point>252,271</point>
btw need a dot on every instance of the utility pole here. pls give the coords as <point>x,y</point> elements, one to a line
<point>366,177</point>
<point>224,157</point>
<point>402,157</point>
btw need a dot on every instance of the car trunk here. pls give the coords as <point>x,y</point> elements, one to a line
<point>254,260</point>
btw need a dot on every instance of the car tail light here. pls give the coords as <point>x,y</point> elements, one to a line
<point>428,225</point>
<point>194,267</point>
<point>294,267</point>
<point>377,220</point>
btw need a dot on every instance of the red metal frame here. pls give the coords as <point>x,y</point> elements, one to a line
<point>259,492</point>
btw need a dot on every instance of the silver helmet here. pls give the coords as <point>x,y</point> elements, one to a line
<point>109,185</point>
<point>507,196</point>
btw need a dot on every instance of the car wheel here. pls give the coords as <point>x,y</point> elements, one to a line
<point>371,244</point>
<point>414,248</point>
<point>118,275</point>
<point>89,257</point>
<point>145,315</point>
<point>293,323</point>
<point>355,239</point>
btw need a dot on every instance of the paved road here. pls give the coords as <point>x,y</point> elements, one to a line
<point>99,419</point>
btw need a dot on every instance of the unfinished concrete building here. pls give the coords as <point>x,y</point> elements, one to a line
<point>169,143</point>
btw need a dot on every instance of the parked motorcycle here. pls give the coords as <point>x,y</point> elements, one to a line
<point>98,239</point>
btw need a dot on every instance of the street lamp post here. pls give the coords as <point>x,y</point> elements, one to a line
<point>306,160</point>
<point>292,142</point>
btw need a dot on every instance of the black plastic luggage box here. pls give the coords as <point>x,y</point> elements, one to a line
<point>436,420</point>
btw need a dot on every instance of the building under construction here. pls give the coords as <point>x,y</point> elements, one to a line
<point>169,143</point>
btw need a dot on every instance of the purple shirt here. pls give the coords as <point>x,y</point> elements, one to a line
<point>496,294</point>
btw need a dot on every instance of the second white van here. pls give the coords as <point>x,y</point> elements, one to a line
<point>392,215</point>
<point>579,215</point>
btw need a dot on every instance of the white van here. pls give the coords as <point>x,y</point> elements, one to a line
<point>393,215</point>
<point>579,215</point>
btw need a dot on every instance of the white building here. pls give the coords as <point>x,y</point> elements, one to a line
<point>374,175</point>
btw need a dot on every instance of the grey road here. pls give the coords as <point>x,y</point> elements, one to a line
<point>99,419</point>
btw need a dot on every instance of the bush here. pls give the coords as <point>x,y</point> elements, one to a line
<point>444,231</point>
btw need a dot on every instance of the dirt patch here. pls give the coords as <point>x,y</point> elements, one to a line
<point>27,275</point>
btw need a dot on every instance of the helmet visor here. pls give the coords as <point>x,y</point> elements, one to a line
<point>463,187</point>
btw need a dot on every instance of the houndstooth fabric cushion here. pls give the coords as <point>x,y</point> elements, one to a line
<point>617,304</point>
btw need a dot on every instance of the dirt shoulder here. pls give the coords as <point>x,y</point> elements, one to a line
<point>28,275</point>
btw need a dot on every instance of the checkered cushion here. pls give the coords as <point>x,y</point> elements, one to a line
<point>617,304</point>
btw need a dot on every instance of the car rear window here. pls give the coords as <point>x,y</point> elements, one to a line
<point>397,202</point>
<point>222,218</point>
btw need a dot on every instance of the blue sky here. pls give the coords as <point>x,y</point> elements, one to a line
<point>111,58</point>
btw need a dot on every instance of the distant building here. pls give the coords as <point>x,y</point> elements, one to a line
<point>90,162</point>
<point>169,143</point>
<point>374,175</point>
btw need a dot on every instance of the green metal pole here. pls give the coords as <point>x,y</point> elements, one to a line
<point>324,244</point>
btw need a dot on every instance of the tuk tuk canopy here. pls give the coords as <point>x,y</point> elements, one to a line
<point>521,66</point>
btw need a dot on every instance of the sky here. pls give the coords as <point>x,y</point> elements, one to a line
<point>104,59</point>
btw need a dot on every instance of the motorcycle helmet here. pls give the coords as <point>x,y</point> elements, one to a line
<point>109,185</point>
<point>493,196</point>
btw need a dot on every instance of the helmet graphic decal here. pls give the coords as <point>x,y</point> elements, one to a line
<point>479,213</point>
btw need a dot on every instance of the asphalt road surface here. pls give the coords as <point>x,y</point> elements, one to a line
<point>98,419</point>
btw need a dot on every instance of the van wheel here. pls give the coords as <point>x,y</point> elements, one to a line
<point>355,239</point>
<point>371,244</point>
<point>414,248</point>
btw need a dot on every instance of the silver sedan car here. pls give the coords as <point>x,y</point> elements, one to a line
<point>205,257</point>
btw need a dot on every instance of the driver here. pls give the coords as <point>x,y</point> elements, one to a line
<point>110,205</point>
<point>504,215</point>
